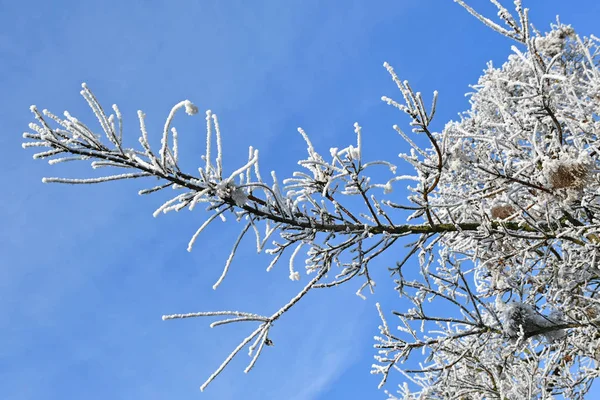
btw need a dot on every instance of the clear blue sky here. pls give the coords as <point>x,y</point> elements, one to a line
<point>86,272</point>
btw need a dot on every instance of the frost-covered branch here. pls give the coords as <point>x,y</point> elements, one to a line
<point>504,205</point>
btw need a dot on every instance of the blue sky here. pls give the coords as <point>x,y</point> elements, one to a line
<point>86,272</point>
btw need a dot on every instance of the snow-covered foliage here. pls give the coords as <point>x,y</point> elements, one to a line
<point>503,208</point>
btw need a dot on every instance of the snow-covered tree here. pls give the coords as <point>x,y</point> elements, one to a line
<point>503,209</point>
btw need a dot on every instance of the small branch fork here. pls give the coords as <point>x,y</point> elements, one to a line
<point>259,335</point>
